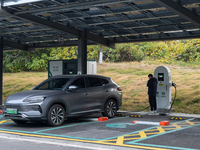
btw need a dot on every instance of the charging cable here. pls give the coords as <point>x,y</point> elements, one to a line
<point>174,85</point>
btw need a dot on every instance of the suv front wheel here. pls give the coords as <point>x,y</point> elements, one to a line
<point>56,115</point>
<point>110,109</point>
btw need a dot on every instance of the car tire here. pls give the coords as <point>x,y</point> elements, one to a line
<point>20,121</point>
<point>56,115</point>
<point>110,109</point>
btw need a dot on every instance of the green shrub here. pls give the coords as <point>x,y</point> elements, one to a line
<point>124,53</point>
<point>167,52</point>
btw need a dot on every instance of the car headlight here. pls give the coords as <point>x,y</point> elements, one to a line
<point>35,99</point>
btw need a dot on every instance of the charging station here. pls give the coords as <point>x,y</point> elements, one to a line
<point>163,97</point>
<point>69,67</point>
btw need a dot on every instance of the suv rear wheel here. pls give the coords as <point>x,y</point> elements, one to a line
<point>56,115</point>
<point>110,109</point>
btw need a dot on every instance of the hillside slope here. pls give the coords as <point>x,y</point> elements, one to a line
<point>132,78</point>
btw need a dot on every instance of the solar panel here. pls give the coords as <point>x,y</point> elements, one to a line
<point>40,23</point>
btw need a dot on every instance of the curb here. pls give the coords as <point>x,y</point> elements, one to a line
<point>180,115</point>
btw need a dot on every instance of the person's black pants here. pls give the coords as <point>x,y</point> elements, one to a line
<point>152,102</point>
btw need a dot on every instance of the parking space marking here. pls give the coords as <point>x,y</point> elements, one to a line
<point>62,127</point>
<point>181,126</point>
<point>137,146</point>
<point>162,146</point>
<point>150,133</point>
<point>5,121</point>
<point>72,125</point>
<point>41,135</point>
<point>127,140</point>
<point>82,146</point>
<point>48,134</point>
<point>120,140</point>
<point>119,125</point>
<point>78,140</point>
<point>152,130</point>
<point>191,123</point>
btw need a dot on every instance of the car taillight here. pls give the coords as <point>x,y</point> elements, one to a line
<point>119,89</point>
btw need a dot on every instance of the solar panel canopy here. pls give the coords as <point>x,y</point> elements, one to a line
<point>29,24</point>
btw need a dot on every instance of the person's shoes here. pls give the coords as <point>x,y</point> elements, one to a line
<point>151,112</point>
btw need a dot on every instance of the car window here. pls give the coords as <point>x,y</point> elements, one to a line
<point>54,84</point>
<point>80,83</point>
<point>94,82</point>
<point>104,81</point>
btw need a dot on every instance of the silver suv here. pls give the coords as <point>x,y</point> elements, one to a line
<point>60,97</point>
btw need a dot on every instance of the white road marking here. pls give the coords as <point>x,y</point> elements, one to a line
<point>147,122</point>
<point>52,143</point>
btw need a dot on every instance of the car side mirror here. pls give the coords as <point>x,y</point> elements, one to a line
<point>72,87</point>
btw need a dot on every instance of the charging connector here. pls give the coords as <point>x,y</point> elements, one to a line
<point>174,84</point>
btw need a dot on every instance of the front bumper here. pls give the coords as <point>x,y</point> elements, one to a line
<point>24,117</point>
<point>24,112</point>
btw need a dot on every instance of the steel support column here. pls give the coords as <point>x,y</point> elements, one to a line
<point>82,56</point>
<point>1,71</point>
<point>101,55</point>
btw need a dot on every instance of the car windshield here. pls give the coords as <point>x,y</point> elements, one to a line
<point>54,84</point>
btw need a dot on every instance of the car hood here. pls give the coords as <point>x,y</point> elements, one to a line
<point>19,97</point>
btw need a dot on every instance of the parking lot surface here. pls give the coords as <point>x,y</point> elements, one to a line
<point>181,134</point>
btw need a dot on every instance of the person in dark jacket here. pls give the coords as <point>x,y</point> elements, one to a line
<point>152,91</point>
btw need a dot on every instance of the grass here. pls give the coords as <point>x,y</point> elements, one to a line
<point>21,81</point>
<point>132,78</point>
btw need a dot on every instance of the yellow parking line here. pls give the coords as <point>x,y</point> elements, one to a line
<point>43,136</point>
<point>176,125</point>
<point>191,123</point>
<point>79,140</point>
<point>3,121</point>
<point>135,146</point>
<point>160,129</point>
<point>120,141</point>
<point>133,138</point>
<point>110,140</point>
<point>147,133</point>
<point>142,134</point>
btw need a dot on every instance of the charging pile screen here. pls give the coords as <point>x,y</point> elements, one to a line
<point>160,76</point>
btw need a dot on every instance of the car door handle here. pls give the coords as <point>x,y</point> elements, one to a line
<point>85,93</point>
<point>106,91</point>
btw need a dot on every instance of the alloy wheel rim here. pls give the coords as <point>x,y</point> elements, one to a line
<point>111,108</point>
<point>57,115</point>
